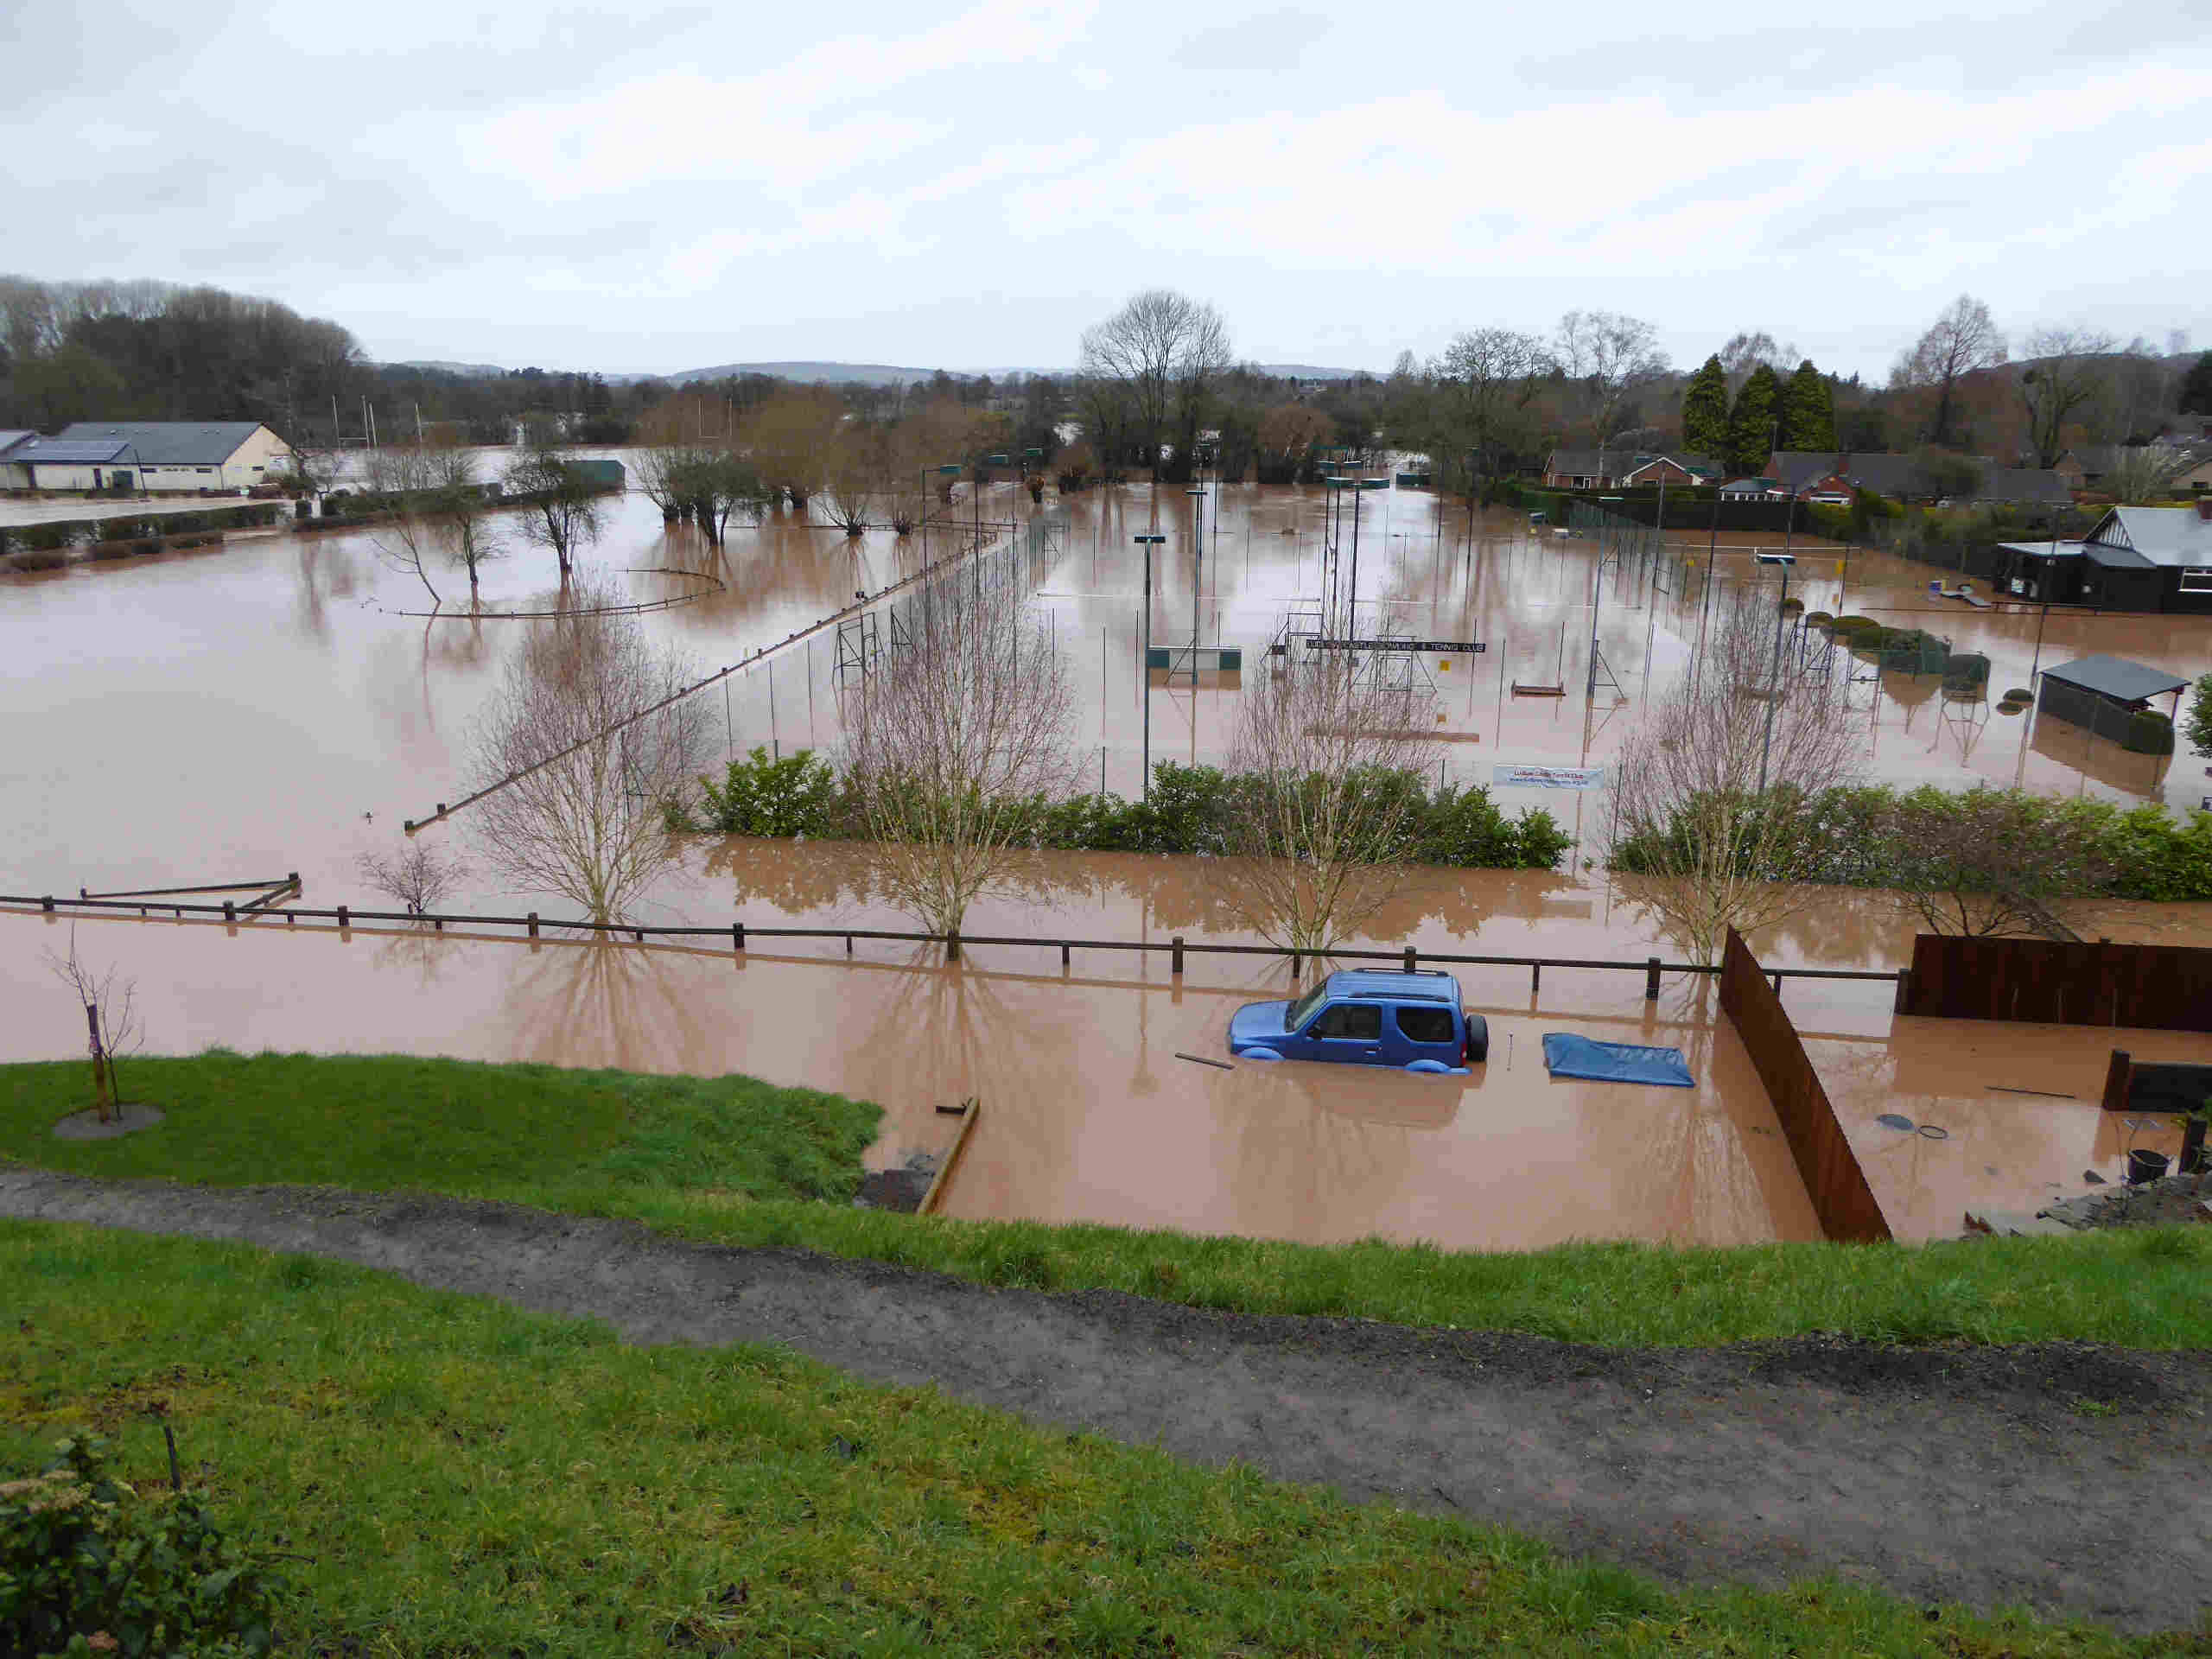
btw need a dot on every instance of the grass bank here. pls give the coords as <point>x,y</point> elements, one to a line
<point>447,1475</point>
<point>734,1161</point>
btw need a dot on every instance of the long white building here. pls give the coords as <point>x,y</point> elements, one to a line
<point>152,455</point>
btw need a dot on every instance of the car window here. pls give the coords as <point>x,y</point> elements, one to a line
<point>1297,1014</point>
<point>1355,1021</point>
<point>1425,1025</point>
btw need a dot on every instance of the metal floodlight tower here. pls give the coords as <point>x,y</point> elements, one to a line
<point>1147,542</point>
<point>1774,680</point>
<point>1198,495</point>
<point>1352,607</point>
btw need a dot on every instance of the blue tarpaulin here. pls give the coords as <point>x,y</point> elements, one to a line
<point>1568,1056</point>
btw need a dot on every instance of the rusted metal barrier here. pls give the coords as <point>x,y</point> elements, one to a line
<point>1830,1169</point>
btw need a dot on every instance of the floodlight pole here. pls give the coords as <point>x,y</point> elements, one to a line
<point>1774,680</point>
<point>1198,564</point>
<point>1144,663</point>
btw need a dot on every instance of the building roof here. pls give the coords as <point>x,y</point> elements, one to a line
<point>2044,550</point>
<point>1618,463</point>
<point>171,443</point>
<point>2116,677</point>
<point>2039,486</point>
<point>10,436</point>
<point>65,451</point>
<point>2167,536</point>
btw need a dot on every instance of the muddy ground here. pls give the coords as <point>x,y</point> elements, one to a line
<point>1943,1474</point>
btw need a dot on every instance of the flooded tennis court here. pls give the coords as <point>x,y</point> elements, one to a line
<point>277,705</point>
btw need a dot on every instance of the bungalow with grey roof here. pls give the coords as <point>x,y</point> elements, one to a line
<point>151,456</point>
<point>2155,559</point>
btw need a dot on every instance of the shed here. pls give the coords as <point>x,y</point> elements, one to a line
<point>601,474</point>
<point>13,474</point>
<point>2105,694</point>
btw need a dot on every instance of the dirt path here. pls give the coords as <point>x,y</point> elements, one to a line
<point>1949,1474</point>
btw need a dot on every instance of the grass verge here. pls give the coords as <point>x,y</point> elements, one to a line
<point>733,1161</point>
<point>462,1477</point>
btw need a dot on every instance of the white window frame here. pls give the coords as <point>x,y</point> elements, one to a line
<point>2197,579</point>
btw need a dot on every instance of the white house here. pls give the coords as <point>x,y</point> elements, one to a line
<point>13,474</point>
<point>226,456</point>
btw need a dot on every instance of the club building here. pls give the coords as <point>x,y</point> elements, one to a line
<point>2156,559</point>
<point>149,456</point>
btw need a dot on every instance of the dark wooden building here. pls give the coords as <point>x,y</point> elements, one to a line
<point>2156,559</point>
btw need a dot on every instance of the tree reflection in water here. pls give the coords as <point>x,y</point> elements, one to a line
<point>605,1003</point>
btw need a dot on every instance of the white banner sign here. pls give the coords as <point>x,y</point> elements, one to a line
<point>1548,776</point>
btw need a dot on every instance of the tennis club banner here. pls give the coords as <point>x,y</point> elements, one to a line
<point>1548,776</point>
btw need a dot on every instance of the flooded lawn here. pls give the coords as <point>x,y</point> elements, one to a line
<point>277,705</point>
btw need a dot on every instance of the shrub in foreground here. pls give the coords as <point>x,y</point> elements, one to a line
<point>88,1566</point>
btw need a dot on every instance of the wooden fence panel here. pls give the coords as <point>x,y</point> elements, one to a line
<point>2047,982</point>
<point>1834,1179</point>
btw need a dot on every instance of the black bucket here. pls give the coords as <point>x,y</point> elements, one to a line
<point>2145,1166</point>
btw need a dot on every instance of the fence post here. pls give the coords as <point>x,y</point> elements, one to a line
<point>343,920</point>
<point>737,935</point>
<point>533,923</point>
<point>1536,977</point>
<point>1904,990</point>
<point>1651,979</point>
<point>1064,953</point>
<point>1294,967</point>
<point>230,911</point>
<point>46,904</point>
<point>1175,957</point>
<point>952,946</point>
<point>1409,959</point>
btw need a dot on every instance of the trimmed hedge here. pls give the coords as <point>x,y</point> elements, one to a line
<point>1190,811</point>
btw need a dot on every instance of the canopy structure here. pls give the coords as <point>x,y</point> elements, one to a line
<point>1566,1055</point>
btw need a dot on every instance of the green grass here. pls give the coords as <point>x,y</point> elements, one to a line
<point>463,1478</point>
<point>733,1161</point>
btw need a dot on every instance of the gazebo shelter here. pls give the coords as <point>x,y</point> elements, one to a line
<point>2104,693</point>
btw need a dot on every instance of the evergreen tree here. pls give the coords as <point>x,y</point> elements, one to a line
<point>1704,411</point>
<point>1750,424</point>
<point>1807,410</point>
<point>2196,387</point>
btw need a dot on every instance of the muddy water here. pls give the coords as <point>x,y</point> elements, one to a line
<point>271,707</point>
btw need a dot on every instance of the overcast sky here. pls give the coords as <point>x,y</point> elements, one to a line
<point>515,184</point>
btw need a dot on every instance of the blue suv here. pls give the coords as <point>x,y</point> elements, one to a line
<point>1364,1017</point>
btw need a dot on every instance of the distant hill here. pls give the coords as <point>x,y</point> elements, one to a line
<point>841,374</point>
<point>471,371</point>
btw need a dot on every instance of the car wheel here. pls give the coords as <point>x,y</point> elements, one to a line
<point>1477,1039</point>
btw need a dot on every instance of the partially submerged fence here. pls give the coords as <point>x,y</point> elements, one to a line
<point>1830,1169</point>
<point>1177,948</point>
<point>2048,982</point>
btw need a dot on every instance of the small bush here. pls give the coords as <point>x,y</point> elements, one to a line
<point>83,1557</point>
<point>37,558</point>
<point>40,537</point>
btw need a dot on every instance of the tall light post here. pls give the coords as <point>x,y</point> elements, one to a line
<point>951,469</point>
<point>1351,609</point>
<point>1144,668</point>
<point>1198,495</point>
<point>1774,681</point>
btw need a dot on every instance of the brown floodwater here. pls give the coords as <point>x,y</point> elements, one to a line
<point>270,707</point>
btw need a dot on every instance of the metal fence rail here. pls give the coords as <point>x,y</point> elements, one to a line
<point>1407,958</point>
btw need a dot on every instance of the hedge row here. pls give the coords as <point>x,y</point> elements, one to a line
<point>135,527</point>
<point>1854,833</point>
<point>1190,811</point>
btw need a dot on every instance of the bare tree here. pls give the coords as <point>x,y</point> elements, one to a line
<point>1164,350</point>
<point>416,875</point>
<point>1994,861</point>
<point>1609,356</point>
<point>1329,772</point>
<point>561,511</point>
<point>2068,373</point>
<point>1713,791</point>
<point>1746,350</point>
<point>1960,342</point>
<point>111,1023</point>
<point>409,477</point>
<point>1488,378</point>
<point>592,742</point>
<point>790,437</point>
<point>951,741</point>
<point>2145,473</point>
<point>859,475</point>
